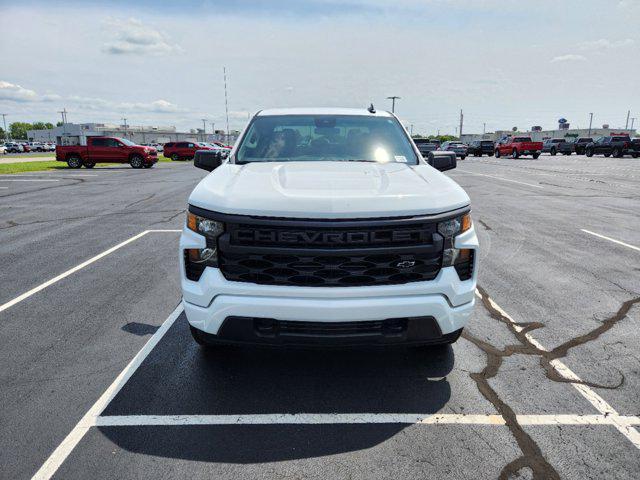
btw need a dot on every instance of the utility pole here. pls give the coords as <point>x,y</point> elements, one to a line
<point>461,120</point>
<point>411,133</point>
<point>438,133</point>
<point>204,129</point>
<point>4,120</point>
<point>393,102</point>
<point>632,122</point>
<point>125,127</point>
<point>63,113</point>
<point>590,123</point>
<point>626,125</point>
<point>484,128</point>
<point>226,102</point>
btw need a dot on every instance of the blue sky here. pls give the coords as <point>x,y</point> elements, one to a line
<point>504,62</point>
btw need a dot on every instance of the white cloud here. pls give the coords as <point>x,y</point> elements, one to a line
<point>16,93</point>
<point>568,58</point>
<point>605,44</point>
<point>132,37</point>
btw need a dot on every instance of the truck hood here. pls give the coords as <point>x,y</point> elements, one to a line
<point>328,190</point>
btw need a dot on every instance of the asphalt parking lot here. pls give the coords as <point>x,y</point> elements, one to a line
<point>101,378</point>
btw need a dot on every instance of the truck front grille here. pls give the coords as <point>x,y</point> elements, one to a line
<point>330,254</point>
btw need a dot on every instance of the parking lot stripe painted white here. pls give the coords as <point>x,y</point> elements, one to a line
<point>63,450</point>
<point>63,275</point>
<point>611,239</point>
<point>29,180</point>
<point>500,178</point>
<point>592,397</point>
<point>353,418</point>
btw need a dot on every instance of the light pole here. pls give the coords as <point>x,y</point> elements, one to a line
<point>411,130</point>
<point>632,122</point>
<point>590,123</point>
<point>226,103</point>
<point>125,127</point>
<point>393,102</point>
<point>204,129</point>
<point>63,113</point>
<point>4,120</point>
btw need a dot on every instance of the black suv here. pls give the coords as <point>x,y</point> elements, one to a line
<point>477,148</point>
<point>557,145</point>
<point>617,146</point>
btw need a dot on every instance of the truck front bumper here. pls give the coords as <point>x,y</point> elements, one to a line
<point>411,313</point>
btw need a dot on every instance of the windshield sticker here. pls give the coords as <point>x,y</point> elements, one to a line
<point>400,158</point>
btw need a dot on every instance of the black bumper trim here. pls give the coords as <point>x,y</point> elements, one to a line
<point>269,331</point>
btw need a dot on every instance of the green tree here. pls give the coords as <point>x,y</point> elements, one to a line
<point>58,124</point>
<point>19,130</point>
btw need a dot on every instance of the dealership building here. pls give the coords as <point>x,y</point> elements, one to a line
<point>540,135</point>
<point>135,133</point>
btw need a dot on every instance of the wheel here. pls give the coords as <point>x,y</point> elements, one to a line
<point>515,154</point>
<point>175,157</point>
<point>463,157</point>
<point>535,155</point>
<point>607,154</point>
<point>489,154</point>
<point>74,161</point>
<point>588,152</point>
<point>497,153</point>
<point>136,161</point>
<point>567,153</point>
<point>89,165</point>
<point>635,155</point>
<point>617,153</point>
<point>553,152</point>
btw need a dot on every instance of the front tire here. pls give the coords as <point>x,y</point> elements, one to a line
<point>74,161</point>
<point>175,157</point>
<point>514,154</point>
<point>617,153</point>
<point>463,157</point>
<point>497,153</point>
<point>553,152</point>
<point>136,161</point>
<point>535,156</point>
<point>588,152</point>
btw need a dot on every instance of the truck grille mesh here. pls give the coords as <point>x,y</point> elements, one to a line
<point>379,255</point>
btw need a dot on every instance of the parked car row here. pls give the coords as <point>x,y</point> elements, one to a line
<point>21,147</point>
<point>186,150</point>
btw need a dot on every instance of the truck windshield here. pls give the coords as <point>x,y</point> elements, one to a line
<point>289,138</point>
<point>129,143</point>
<point>522,139</point>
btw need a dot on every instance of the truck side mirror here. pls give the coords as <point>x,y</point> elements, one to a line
<point>442,162</point>
<point>207,160</point>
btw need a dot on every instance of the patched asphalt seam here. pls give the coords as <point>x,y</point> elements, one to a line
<point>532,456</point>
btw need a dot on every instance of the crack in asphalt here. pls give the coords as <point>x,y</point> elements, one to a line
<point>532,456</point>
<point>484,224</point>
<point>12,224</point>
<point>149,197</point>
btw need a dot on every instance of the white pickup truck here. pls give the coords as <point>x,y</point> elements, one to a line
<point>327,227</point>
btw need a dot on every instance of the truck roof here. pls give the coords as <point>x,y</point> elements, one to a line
<point>322,111</point>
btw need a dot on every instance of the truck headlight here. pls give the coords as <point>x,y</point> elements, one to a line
<point>455,226</point>
<point>204,226</point>
<point>461,259</point>
<point>197,259</point>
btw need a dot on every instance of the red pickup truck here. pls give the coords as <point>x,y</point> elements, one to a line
<point>106,149</point>
<point>518,146</point>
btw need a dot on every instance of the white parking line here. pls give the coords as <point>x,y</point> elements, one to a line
<point>25,180</point>
<point>56,279</point>
<point>592,397</point>
<point>610,239</point>
<point>501,178</point>
<point>352,418</point>
<point>60,454</point>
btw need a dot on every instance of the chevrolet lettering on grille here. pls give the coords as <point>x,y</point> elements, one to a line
<point>315,237</point>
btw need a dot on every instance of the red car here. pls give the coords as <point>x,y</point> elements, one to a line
<point>106,150</point>
<point>516,147</point>
<point>182,150</point>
